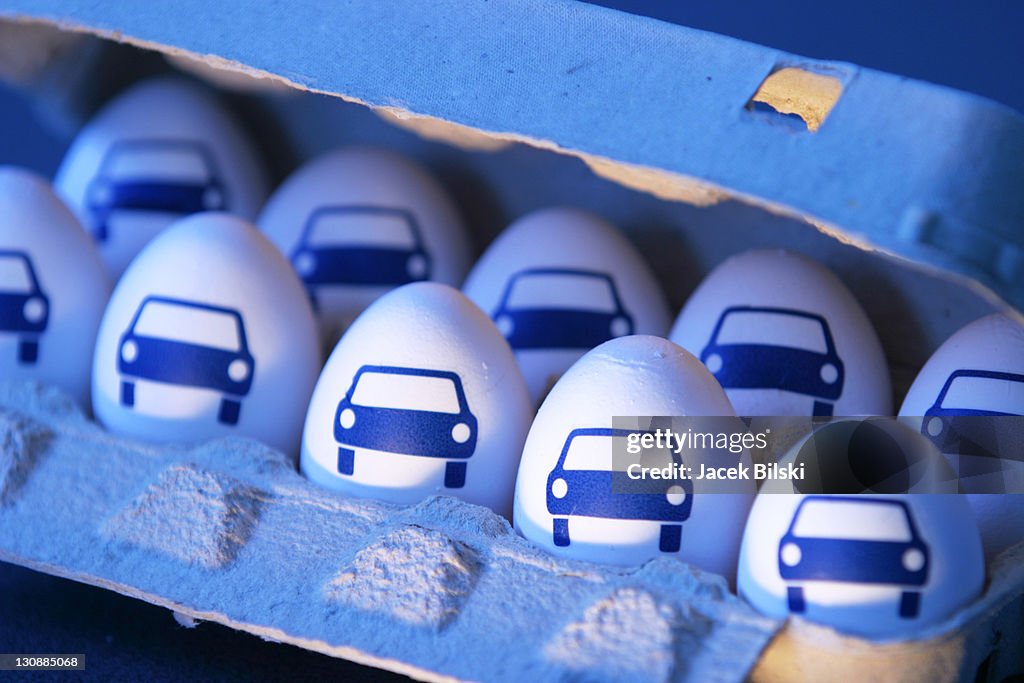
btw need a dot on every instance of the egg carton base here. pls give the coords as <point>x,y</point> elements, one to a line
<point>230,532</point>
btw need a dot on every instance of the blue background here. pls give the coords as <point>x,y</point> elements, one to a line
<point>971,46</point>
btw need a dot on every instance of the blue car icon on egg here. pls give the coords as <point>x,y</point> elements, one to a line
<point>165,176</point>
<point>956,423</point>
<point>584,483</point>
<point>361,245</point>
<point>406,411</point>
<point>827,541</point>
<point>24,307</point>
<point>561,308</point>
<point>756,347</point>
<point>188,344</point>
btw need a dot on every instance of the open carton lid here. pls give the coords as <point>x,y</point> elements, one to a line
<point>915,169</point>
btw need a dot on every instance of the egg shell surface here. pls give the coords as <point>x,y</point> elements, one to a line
<point>980,368</point>
<point>162,149</point>
<point>208,333</point>
<point>54,286</point>
<point>358,222</point>
<point>878,566</point>
<point>421,396</point>
<point>633,376</point>
<point>559,282</point>
<point>784,336</point>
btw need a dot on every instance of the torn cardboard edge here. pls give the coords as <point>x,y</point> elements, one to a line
<point>662,184</point>
<point>659,183</point>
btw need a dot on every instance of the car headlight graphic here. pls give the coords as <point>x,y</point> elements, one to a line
<point>34,309</point>
<point>238,370</point>
<point>460,433</point>
<point>790,554</point>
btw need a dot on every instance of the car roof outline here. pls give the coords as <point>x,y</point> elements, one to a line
<point>200,148</point>
<point>816,317</point>
<point>601,431</point>
<point>185,303</point>
<point>907,514</point>
<point>984,374</point>
<point>29,267</point>
<point>578,272</point>
<point>453,377</point>
<point>406,215</point>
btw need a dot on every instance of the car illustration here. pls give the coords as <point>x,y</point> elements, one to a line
<point>166,176</point>
<point>756,347</point>
<point>189,344</point>
<point>957,423</point>
<point>24,308</point>
<point>406,411</point>
<point>561,308</point>
<point>827,541</point>
<point>360,245</point>
<point>583,483</point>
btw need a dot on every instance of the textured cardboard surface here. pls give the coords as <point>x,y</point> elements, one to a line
<point>228,531</point>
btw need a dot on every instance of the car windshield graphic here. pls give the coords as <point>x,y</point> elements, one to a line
<point>573,291</point>
<point>406,392</point>
<point>14,275</point>
<point>362,227</point>
<point>984,394</point>
<point>592,452</point>
<point>868,520</point>
<point>174,322</point>
<point>169,161</point>
<point>773,329</point>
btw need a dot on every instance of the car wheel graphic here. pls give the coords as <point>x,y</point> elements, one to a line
<point>229,410</point>
<point>560,532</point>
<point>822,409</point>
<point>128,394</point>
<point>910,604</point>
<point>670,538</point>
<point>795,598</point>
<point>346,460</point>
<point>28,351</point>
<point>455,475</point>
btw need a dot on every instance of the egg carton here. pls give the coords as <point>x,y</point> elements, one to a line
<point>228,531</point>
<point>710,146</point>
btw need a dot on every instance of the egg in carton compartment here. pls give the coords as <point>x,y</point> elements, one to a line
<point>721,147</point>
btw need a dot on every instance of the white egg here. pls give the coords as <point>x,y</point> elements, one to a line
<point>159,151</point>
<point>358,222</point>
<point>784,336</point>
<point>964,400</point>
<point>53,287</point>
<point>565,500</point>
<point>421,396</point>
<point>879,566</point>
<point>559,282</point>
<point>208,333</point>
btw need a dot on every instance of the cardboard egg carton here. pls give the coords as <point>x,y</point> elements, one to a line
<point>229,531</point>
<point>699,146</point>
